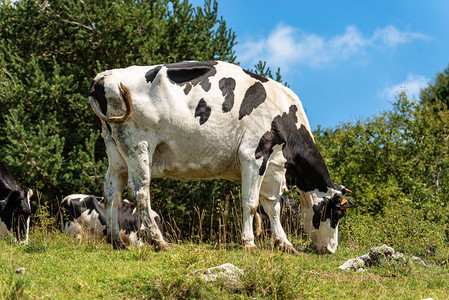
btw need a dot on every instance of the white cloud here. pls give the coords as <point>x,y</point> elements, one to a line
<point>391,37</point>
<point>287,46</point>
<point>412,86</point>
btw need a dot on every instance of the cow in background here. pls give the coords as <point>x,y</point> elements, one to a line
<point>15,208</point>
<point>85,215</point>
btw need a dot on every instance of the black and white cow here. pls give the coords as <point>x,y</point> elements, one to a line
<point>85,215</point>
<point>15,209</point>
<point>207,120</point>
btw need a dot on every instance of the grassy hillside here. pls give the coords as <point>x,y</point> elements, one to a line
<point>60,267</point>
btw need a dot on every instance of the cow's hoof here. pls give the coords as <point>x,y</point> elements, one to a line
<point>119,246</point>
<point>289,249</point>
<point>286,247</point>
<point>249,246</point>
<point>161,246</point>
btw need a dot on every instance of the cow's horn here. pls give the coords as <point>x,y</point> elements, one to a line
<point>126,96</point>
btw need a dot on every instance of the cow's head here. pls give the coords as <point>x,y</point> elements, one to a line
<point>16,213</point>
<point>321,213</point>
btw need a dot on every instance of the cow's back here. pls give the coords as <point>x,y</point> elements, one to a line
<point>199,116</point>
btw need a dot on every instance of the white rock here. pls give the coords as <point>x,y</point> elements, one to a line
<point>365,257</point>
<point>355,264</point>
<point>399,257</point>
<point>419,261</point>
<point>225,272</point>
<point>381,254</point>
<point>384,249</point>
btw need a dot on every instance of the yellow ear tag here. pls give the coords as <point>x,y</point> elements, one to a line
<point>343,202</point>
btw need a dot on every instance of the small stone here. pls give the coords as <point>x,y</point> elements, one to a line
<point>399,257</point>
<point>377,255</point>
<point>384,249</point>
<point>226,273</point>
<point>365,258</point>
<point>355,264</point>
<point>418,260</point>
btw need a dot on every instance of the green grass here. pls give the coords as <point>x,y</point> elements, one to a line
<point>59,267</point>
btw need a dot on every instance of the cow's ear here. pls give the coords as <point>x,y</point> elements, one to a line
<point>346,203</point>
<point>29,193</point>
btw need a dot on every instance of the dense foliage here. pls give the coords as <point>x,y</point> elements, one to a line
<point>438,90</point>
<point>400,157</point>
<point>396,165</point>
<point>49,53</point>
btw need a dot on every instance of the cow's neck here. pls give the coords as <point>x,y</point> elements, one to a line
<point>305,167</point>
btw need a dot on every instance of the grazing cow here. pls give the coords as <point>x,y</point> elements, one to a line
<point>207,120</point>
<point>85,214</point>
<point>15,209</point>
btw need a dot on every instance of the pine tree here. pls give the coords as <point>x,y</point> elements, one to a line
<point>49,53</point>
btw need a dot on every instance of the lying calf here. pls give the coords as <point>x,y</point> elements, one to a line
<point>85,215</point>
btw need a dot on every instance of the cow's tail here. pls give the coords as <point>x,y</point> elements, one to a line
<point>126,96</point>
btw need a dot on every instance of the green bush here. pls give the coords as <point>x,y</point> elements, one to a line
<point>402,227</point>
<point>400,154</point>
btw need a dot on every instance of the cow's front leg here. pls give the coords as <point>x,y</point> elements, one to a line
<point>273,210</point>
<point>270,195</point>
<point>139,181</point>
<point>251,181</point>
<point>113,185</point>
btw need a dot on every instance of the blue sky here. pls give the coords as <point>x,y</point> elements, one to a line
<point>346,60</point>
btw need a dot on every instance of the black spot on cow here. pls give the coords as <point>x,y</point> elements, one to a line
<point>331,208</point>
<point>187,88</point>
<point>255,76</point>
<point>206,85</point>
<point>305,167</point>
<point>254,96</point>
<point>151,74</point>
<point>227,87</point>
<point>191,73</point>
<point>203,111</point>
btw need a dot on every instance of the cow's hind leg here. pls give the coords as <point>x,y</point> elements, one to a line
<point>251,181</point>
<point>113,185</point>
<point>139,182</point>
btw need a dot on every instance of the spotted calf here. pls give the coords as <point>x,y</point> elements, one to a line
<point>84,215</point>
